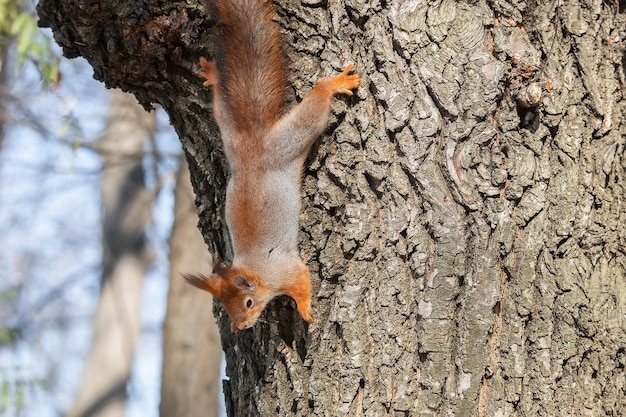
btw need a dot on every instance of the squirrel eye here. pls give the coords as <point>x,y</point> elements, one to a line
<point>249,302</point>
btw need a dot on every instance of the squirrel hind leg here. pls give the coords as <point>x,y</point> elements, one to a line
<point>345,82</point>
<point>208,72</point>
<point>342,83</point>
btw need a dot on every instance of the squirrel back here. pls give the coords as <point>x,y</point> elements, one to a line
<point>250,63</point>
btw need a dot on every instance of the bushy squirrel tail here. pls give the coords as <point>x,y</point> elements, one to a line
<point>250,63</point>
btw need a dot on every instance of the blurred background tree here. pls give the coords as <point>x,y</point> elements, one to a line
<point>75,207</point>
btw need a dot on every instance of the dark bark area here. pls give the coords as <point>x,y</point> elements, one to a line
<point>467,251</point>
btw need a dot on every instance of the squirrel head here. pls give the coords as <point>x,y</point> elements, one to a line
<point>242,292</point>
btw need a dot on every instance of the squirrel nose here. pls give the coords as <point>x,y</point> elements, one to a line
<point>240,326</point>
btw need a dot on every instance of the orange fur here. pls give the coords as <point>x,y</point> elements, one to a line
<point>265,154</point>
<point>251,63</point>
<point>300,290</point>
<point>234,286</point>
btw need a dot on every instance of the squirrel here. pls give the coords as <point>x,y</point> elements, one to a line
<point>265,151</point>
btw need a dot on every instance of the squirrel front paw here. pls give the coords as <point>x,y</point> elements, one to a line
<point>306,313</point>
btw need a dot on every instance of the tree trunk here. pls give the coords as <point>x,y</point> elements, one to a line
<point>191,343</point>
<point>126,208</point>
<point>465,235</point>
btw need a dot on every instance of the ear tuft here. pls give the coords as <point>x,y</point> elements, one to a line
<point>244,283</point>
<point>197,280</point>
<point>212,284</point>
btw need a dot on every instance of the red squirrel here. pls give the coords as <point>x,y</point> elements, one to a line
<point>265,151</point>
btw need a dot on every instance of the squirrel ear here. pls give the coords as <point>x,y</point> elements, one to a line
<point>244,283</point>
<point>212,284</point>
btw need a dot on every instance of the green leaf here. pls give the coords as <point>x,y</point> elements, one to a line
<point>20,25</point>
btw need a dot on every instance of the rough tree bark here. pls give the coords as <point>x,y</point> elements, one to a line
<point>468,252</point>
<point>191,342</point>
<point>126,206</point>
